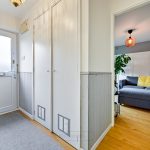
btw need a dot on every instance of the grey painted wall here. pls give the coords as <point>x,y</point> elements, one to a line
<point>139,47</point>
<point>99,105</point>
<point>25,91</point>
<point>84,111</point>
<point>96,109</point>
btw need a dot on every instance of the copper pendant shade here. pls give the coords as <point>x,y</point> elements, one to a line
<point>131,41</point>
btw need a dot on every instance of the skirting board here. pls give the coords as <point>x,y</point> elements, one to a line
<point>9,111</point>
<point>101,138</point>
<point>26,113</point>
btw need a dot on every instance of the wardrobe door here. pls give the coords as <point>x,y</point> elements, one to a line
<point>66,71</point>
<point>42,70</point>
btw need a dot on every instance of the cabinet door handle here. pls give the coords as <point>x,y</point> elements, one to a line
<point>54,70</point>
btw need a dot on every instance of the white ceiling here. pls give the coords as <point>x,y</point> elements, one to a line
<point>138,19</point>
<point>6,6</point>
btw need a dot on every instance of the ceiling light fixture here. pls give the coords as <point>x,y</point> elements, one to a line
<point>131,41</point>
<point>17,3</point>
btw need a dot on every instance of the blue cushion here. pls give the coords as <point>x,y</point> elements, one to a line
<point>132,80</point>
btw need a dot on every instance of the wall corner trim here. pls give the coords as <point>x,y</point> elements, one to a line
<point>101,137</point>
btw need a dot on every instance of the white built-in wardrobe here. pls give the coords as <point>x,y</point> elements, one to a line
<point>56,70</point>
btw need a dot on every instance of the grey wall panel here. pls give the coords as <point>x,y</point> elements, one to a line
<point>84,111</point>
<point>139,47</point>
<point>99,105</point>
<point>25,91</point>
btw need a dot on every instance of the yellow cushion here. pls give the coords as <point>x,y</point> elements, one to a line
<point>144,81</point>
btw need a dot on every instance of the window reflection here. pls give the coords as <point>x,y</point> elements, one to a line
<point>5,54</point>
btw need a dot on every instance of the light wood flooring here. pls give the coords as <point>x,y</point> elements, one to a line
<point>131,131</point>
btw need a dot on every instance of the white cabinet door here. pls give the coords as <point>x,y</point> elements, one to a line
<point>66,71</point>
<point>8,74</point>
<point>42,73</point>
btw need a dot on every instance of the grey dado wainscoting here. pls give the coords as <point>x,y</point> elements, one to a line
<point>96,106</point>
<point>25,91</point>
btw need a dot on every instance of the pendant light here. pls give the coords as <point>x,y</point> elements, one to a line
<point>131,41</point>
<point>17,3</point>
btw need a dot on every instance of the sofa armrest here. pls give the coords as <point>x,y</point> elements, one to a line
<point>122,83</point>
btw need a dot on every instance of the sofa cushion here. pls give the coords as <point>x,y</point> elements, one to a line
<point>144,81</point>
<point>141,94</point>
<point>133,86</point>
<point>131,80</point>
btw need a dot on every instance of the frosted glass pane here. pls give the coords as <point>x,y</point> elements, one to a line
<point>5,54</point>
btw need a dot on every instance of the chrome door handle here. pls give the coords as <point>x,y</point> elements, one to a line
<point>53,70</point>
<point>2,74</point>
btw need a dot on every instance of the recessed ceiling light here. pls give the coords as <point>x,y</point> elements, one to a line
<point>17,3</point>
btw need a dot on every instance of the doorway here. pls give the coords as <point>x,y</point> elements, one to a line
<point>113,15</point>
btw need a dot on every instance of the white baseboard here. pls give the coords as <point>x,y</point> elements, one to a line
<point>101,137</point>
<point>26,113</point>
<point>9,111</point>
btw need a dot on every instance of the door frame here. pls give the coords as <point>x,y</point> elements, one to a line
<point>113,15</point>
<point>14,70</point>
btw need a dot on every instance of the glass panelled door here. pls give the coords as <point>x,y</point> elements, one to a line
<point>8,75</point>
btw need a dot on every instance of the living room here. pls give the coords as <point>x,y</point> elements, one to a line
<point>132,78</point>
<point>132,31</point>
<point>132,81</point>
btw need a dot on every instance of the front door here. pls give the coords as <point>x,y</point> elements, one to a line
<point>8,74</point>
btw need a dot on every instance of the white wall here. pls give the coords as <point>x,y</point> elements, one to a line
<point>26,52</point>
<point>139,64</point>
<point>84,35</point>
<point>96,50</point>
<point>120,5</point>
<point>9,22</point>
<point>99,36</point>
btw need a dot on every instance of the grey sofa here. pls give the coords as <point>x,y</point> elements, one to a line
<point>133,95</point>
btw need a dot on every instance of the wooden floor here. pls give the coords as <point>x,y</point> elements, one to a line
<point>131,131</point>
<point>62,143</point>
